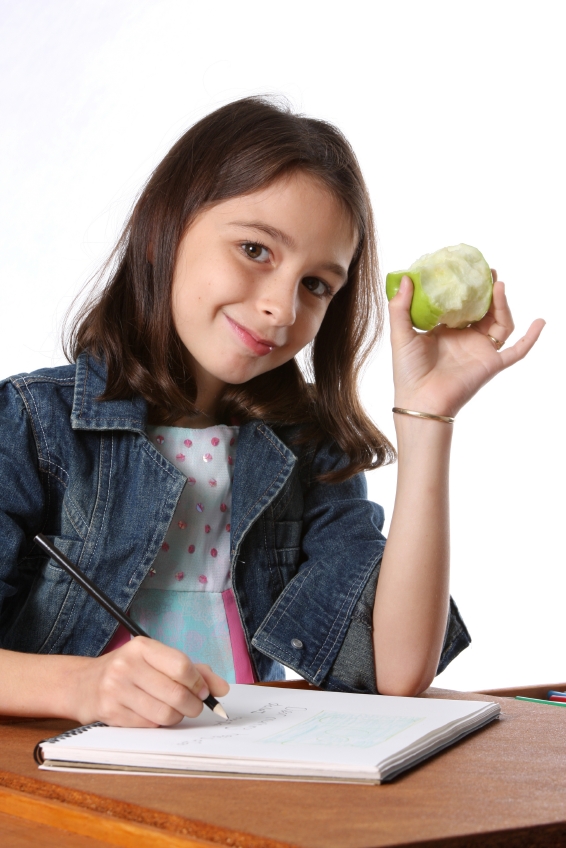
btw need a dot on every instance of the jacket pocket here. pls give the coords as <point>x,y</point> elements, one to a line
<point>48,607</point>
<point>288,535</point>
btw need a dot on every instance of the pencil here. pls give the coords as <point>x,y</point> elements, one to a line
<point>539,701</point>
<point>108,604</point>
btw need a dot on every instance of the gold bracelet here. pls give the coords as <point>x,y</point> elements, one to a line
<point>446,418</point>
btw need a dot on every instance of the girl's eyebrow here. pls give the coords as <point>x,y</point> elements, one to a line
<point>265,228</point>
<point>285,239</point>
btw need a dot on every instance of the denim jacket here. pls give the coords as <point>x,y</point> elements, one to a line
<point>305,556</point>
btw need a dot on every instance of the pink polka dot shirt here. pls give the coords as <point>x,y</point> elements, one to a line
<point>186,600</point>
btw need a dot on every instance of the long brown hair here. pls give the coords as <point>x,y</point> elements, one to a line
<point>236,150</point>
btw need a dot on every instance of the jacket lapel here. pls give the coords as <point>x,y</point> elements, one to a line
<point>263,466</point>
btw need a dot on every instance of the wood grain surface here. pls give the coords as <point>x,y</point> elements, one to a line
<point>503,786</point>
<point>106,829</point>
<point>16,832</point>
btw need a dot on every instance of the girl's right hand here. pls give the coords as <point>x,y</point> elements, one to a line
<point>141,684</point>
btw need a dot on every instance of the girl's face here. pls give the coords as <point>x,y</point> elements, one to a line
<point>253,279</point>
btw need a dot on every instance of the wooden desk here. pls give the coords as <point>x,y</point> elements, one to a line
<point>503,786</point>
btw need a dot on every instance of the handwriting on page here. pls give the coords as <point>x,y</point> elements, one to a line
<point>325,728</point>
<point>343,729</point>
<point>243,725</point>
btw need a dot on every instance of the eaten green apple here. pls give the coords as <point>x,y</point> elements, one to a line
<point>452,286</point>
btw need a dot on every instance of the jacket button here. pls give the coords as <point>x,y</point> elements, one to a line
<point>296,643</point>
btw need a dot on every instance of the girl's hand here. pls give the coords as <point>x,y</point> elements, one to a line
<point>439,371</point>
<point>142,684</point>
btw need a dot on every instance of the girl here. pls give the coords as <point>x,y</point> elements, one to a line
<point>185,464</point>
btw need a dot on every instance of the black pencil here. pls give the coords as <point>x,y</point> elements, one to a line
<point>108,604</point>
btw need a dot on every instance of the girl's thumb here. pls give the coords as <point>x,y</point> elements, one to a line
<point>400,306</point>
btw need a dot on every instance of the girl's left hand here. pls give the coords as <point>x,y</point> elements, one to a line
<point>439,371</point>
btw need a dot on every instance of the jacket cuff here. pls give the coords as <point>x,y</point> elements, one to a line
<point>456,638</point>
<point>354,667</point>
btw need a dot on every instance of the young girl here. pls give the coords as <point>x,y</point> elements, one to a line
<point>186,465</point>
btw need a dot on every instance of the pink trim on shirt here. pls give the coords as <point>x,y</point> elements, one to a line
<point>121,637</point>
<point>242,664</point>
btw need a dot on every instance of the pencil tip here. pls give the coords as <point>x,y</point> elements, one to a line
<point>219,710</point>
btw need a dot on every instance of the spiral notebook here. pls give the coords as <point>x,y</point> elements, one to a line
<point>282,734</point>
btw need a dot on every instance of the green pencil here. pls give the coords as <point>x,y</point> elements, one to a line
<point>540,701</point>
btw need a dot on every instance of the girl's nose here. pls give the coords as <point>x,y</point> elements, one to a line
<point>278,300</point>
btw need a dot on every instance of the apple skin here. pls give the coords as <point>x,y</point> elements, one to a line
<point>424,315</point>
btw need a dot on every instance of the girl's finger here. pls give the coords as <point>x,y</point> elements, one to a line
<point>174,665</point>
<point>513,354</point>
<point>131,677</point>
<point>139,702</point>
<point>399,310</point>
<point>122,716</point>
<point>216,684</point>
<point>161,698</point>
<point>498,321</point>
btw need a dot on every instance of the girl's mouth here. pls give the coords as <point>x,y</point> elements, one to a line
<point>261,347</point>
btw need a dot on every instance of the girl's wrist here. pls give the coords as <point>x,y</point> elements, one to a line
<point>425,404</point>
<point>42,685</point>
<point>73,687</point>
<point>412,413</point>
<point>61,690</point>
<point>415,435</point>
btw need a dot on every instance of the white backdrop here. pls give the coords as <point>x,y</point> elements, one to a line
<point>454,110</point>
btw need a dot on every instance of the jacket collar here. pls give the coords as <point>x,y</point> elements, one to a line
<point>259,448</point>
<point>89,413</point>
<point>258,444</point>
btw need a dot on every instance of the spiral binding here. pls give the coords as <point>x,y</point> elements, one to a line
<point>38,753</point>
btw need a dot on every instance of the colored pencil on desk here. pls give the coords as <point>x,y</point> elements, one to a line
<point>540,701</point>
<point>552,692</point>
<point>557,698</point>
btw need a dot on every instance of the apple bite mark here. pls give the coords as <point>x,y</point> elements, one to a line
<point>452,286</point>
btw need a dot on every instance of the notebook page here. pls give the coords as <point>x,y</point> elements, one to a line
<point>286,727</point>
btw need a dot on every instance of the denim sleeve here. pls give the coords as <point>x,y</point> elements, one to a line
<point>354,667</point>
<point>340,545</point>
<point>321,623</point>
<point>456,638</point>
<point>22,497</point>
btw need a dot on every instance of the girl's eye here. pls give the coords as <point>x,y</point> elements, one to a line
<point>317,287</point>
<point>255,250</point>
